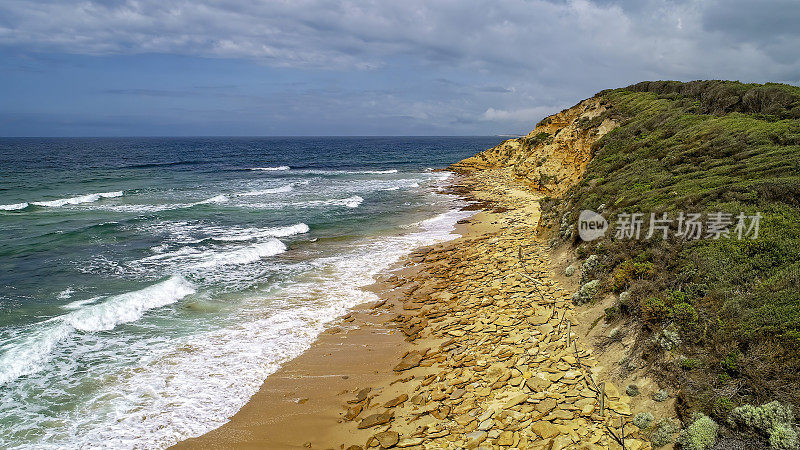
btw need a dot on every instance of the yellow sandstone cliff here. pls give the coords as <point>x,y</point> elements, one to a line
<point>553,156</point>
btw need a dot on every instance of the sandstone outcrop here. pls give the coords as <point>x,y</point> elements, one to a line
<point>553,156</point>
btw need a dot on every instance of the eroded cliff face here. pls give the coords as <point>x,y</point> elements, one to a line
<point>553,156</point>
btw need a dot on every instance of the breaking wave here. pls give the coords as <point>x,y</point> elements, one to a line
<point>88,198</point>
<point>30,353</point>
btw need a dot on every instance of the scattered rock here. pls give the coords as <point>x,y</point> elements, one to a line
<point>544,429</point>
<point>376,419</point>
<point>399,400</point>
<point>387,439</point>
<point>408,362</point>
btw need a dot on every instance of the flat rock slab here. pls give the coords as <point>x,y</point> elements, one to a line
<point>409,362</point>
<point>376,419</point>
<point>387,439</point>
<point>399,400</point>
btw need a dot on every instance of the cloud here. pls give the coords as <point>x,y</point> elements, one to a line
<point>545,37</point>
<point>445,66</point>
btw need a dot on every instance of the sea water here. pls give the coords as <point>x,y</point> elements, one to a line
<point>148,286</point>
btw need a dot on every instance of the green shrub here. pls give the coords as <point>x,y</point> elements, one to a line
<point>586,293</point>
<point>731,362</point>
<point>700,435</point>
<point>661,396</point>
<point>703,147</point>
<point>723,406</point>
<point>783,437</point>
<point>588,267</point>
<point>541,138</point>
<point>643,420</point>
<point>611,313</point>
<point>684,315</point>
<point>665,429</point>
<point>629,271</point>
<point>668,338</point>
<point>764,418</point>
<point>654,310</point>
<point>689,363</point>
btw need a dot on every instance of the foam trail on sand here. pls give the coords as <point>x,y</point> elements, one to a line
<point>234,362</point>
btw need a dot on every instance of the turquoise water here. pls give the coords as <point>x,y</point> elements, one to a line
<point>149,285</point>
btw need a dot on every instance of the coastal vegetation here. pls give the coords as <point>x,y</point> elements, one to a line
<point>719,319</point>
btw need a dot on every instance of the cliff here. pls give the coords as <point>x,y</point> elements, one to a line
<point>552,157</point>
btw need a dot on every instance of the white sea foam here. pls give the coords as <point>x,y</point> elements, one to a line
<point>130,306</point>
<point>143,208</point>
<point>65,294</point>
<point>246,234</point>
<point>271,168</point>
<point>88,198</point>
<point>245,255</point>
<point>277,190</point>
<point>14,206</point>
<point>30,353</point>
<point>216,199</point>
<point>375,172</point>
<point>350,202</point>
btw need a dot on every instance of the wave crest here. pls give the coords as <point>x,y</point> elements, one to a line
<point>14,206</point>
<point>246,255</point>
<point>88,198</point>
<point>271,168</point>
<point>277,190</point>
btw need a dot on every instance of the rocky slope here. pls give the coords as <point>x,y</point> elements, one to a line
<point>553,156</point>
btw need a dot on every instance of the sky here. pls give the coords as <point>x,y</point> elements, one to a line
<point>320,67</point>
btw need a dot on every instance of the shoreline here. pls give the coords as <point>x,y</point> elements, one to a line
<point>300,403</point>
<point>467,347</point>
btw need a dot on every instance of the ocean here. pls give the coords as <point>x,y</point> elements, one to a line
<point>148,286</point>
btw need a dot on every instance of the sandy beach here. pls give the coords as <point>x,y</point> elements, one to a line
<point>476,345</point>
